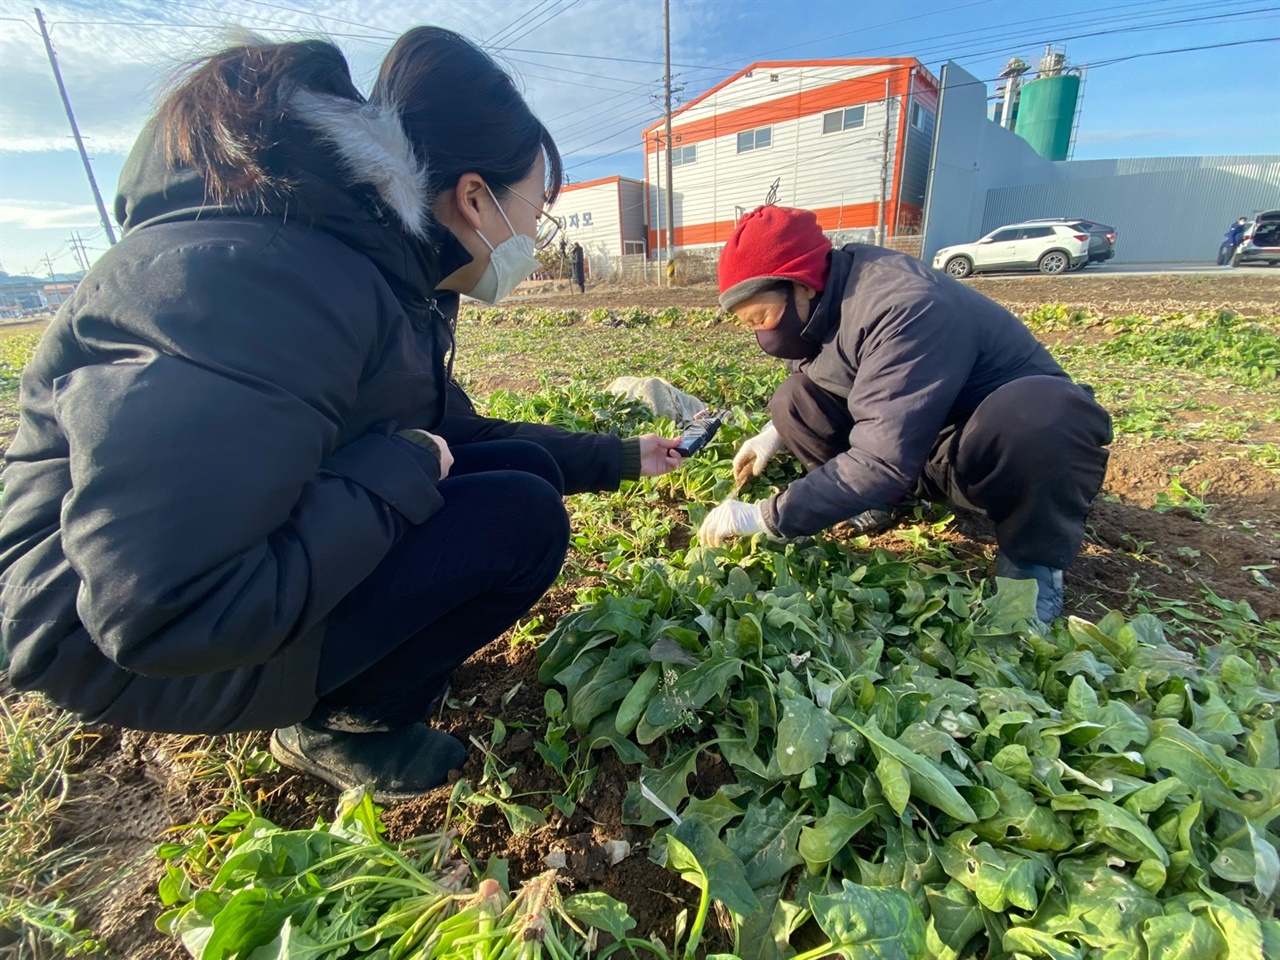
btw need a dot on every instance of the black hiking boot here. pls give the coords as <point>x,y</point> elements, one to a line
<point>1049,597</point>
<point>396,764</point>
<point>871,523</point>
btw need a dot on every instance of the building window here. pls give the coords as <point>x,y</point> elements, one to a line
<point>633,247</point>
<point>755,139</point>
<point>684,155</point>
<point>850,118</point>
<point>917,116</point>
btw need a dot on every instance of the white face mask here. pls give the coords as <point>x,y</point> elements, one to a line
<point>509,263</point>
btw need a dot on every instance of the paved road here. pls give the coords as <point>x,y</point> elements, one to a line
<point>1143,269</point>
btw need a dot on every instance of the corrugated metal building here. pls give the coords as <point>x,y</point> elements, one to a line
<point>815,128</point>
<point>1164,209</point>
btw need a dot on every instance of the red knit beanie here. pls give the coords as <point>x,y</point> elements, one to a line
<point>772,244</point>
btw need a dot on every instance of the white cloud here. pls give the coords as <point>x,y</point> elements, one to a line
<point>46,214</point>
<point>115,59</point>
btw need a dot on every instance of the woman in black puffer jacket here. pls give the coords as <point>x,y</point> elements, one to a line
<point>229,505</point>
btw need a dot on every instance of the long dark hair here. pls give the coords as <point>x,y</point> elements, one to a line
<point>225,112</point>
<point>463,112</point>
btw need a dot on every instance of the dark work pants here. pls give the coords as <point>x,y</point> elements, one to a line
<point>451,585</point>
<point>1032,457</point>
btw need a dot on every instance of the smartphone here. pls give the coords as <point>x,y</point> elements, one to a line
<point>699,433</point>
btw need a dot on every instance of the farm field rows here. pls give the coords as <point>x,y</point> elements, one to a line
<point>864,750</point>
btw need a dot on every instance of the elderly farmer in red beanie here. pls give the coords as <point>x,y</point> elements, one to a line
<point>906,384</point>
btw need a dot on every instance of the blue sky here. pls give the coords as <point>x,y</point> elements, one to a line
<point>592,70</point>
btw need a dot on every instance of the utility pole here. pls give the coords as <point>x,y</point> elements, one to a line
<point>75,131</point>
<point>49,263</point>
<point>657,165</point>
<point>666,95</point>
<point>884,162</point>
<point>82,255</point>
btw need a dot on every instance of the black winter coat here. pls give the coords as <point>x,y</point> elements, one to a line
<point>913,351</point>
<point>205,463</point>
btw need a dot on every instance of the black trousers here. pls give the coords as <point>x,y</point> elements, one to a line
<point>451,585</point>
<point>1032,457</point>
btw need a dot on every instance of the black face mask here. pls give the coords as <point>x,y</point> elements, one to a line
<point>785,341</point>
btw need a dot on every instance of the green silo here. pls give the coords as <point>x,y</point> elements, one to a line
<point>1046,113</point>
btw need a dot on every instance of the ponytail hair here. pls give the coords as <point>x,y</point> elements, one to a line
<point>463,113</point>
<point>225,112</point>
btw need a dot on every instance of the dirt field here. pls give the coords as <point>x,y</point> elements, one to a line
<point>130,788</point>
<point>1250,295</point>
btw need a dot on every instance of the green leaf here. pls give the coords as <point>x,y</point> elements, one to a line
<point>291,944</point>
<point>670,783</point>
<point>766,840</point>
<point>718,810</point>
<point>865,923</point>
<point>1104,909</point>
<point>1241,930</point>
<point>252,918</point>
<point>693,690</point>
<point>1182,936</point>
<point>999,879</point>
<point>954,916</point>
<point>1021,819</point>
<point>701,858</point>
<point>895,782</point>
<point>1214,720</point>
<point>766,934</point>
<point>1010,607</point>
<point>804,731</point>
<point>1114,826</point>
<point>831,832</point>
<point>1037,943</point>
<point>1250,792</point>
<point>1266,860</point>
<point>601,911</point>
<point>667,650</point>
<point>927,780</point>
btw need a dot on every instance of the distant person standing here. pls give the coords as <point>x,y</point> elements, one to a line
<point>579,270</point>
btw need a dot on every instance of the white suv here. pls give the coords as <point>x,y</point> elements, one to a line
<point>1048,247</point>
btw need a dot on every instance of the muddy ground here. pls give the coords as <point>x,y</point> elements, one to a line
<point>135,786</point>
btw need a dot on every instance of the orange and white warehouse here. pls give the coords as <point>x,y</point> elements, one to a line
<point>838,137</point>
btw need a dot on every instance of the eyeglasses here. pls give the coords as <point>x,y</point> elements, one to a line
<point>548,226</point>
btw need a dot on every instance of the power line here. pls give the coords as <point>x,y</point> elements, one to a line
<point>514,24</point>
<point>1013,41</point>
<point>1030,30</point>
<point>542,23</point>
<point>319,16</point>
<point>1099,64</point>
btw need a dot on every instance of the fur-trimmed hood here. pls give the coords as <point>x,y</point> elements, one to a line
<point>349,168</point>
<point>373,148</point>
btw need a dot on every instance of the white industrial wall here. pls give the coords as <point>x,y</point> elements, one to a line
<point>970,155</point>
<point>772,83</point>
<point>591,217</point>
<point>1170,215</point>
<point>1164,209</point>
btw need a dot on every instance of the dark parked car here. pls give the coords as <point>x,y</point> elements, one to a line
<point>1102,238</point>
<point>1261,242</point>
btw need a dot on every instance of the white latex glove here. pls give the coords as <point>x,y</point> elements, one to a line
<point>733,518</point>
<point>754,455</point>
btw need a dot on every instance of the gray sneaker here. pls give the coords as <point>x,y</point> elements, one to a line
<point>1049,598</point>
<point>397,764</point>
